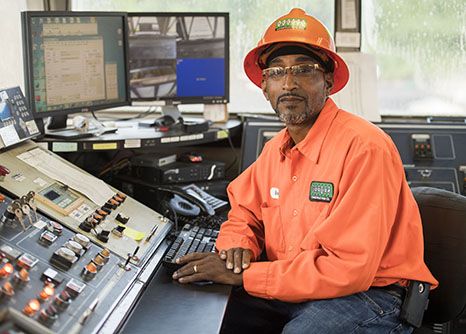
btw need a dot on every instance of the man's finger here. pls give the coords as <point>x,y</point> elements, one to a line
<point>191,257</point>
<point>193,278</point>
<point>187,270</point>
<point>230,254</point>
<point>246,258</point>
<point>223,254</point>
<point>238,258</point>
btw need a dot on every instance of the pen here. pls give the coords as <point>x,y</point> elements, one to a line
<point>152,232</point>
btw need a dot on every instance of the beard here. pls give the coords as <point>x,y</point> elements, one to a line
<point>290,116</point>
<point>299,115</point>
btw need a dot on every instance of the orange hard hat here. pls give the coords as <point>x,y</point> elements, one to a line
<point>297,27</point>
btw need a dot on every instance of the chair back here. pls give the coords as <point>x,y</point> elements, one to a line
<point>443,216</point>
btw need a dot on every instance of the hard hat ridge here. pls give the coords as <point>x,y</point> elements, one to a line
<point>296,27</point>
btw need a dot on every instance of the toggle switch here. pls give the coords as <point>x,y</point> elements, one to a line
<point>103,235</point>
<point>82,240</point>
<point>22,277</point>
<point>89,271</point>
<point>122,196</point>
<point>48,316</point>
<point>6,270</point>
<point>55,228</point>
<point>99,262</point>
<point>31,307</point>
<point>64,258</point>
<point>105,253</point>
<point>74,246</point>
<point>8,289</point>
<point>88,224</point>
<point>62,301</point>
<point>47,291</point>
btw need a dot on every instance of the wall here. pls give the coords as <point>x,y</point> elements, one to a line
<point>11,59</point>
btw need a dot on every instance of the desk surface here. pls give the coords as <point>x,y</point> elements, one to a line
<point>132,136</point>
<point>170,307</point>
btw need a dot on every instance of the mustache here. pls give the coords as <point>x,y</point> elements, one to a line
<point>289,95</point>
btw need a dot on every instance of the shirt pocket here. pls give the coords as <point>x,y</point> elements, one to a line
<point>315,213</point>
<point>273,228</point>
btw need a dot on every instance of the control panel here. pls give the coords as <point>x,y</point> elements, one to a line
<point>53,279</point>
<point>120,223</point>
<point>422,146</point>
<point>432,154</point>
<point>16,121</point>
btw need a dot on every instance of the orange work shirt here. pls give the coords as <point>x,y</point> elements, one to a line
<point>334,213</point>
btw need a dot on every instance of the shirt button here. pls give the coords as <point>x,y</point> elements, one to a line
<point>290,248</point>
<point>294,178</point>
<point>295,212</point>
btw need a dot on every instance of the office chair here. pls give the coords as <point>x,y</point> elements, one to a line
<point>443,216</point>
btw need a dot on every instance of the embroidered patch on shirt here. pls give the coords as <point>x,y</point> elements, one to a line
<point>274,193</point>
<point>321,191</point>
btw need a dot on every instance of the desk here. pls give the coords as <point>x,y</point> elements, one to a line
<point>170,307</point>
<point>132,136</point>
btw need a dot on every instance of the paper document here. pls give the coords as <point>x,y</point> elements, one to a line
<point>360,94</point>
<point>96,190</point>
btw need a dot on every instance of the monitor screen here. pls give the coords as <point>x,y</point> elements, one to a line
<point>256,133</point>
<point>179,57</point>
<point>74,61</point>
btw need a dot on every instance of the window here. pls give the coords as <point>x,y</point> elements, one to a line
<point>420,48</point>
<point>248,21</point>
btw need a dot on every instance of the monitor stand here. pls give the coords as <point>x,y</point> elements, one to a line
<point>170,115</point>
<point>172,111</point>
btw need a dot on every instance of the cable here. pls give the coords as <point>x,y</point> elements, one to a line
<point>231,146</point>
<point>175,217</point>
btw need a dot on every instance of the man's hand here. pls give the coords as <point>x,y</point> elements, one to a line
<point>237,259</point>
<point>205,267</point>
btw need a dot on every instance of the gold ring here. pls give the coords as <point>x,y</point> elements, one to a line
<point>195,268</point>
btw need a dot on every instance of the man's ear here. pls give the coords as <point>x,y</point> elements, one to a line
<point>328,77</point>
<point>264,89</point>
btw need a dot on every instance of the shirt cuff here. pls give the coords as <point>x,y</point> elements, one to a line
<point>256,278</point>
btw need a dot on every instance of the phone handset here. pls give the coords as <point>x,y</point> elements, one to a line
<point>183,200</point>
<point>183,206</point>
<point>205,206</point>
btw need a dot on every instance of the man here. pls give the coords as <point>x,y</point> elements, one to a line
<point>327,201</point>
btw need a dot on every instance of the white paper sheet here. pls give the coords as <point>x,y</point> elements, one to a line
<point>360,94</point>
<point>96,190</point>
<point>9,135</point>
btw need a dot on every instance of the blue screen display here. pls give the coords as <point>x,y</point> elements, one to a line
<point>179,57</point>
<point>200,77</point>
<point>5,112</point>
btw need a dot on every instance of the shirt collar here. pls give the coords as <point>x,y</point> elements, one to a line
<point>311,145</point>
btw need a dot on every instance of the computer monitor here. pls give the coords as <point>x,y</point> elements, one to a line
<point>74,62</point>
<point>179,57</point>
<point>256,133</point>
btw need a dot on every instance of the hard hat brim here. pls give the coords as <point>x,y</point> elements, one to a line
<point>254,71</point>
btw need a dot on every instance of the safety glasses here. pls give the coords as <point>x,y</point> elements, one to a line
<point>299,71</point>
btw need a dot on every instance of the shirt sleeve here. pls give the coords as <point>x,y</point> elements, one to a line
<point>352,237</point>
<point>244,227</point>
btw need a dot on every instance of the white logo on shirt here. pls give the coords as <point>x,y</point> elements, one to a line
<point>275,193</point>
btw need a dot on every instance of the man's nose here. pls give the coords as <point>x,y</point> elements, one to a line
<point>289,81</point>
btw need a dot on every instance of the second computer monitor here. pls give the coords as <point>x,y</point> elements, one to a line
<point>179,57</point>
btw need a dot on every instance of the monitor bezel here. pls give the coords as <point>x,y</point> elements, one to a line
<point>190,99</point>
<point>26,17</point>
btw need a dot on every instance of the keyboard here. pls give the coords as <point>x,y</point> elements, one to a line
<point>191,239</point>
